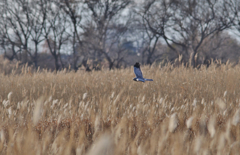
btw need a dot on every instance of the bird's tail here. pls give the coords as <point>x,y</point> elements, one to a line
<point>148,79</point>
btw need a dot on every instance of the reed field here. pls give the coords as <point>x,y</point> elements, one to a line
<point>183,111</point>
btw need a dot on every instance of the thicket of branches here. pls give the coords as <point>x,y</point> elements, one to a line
<point>117,33</point>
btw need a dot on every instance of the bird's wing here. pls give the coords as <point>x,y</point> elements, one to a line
<point>148,79</point>
<point>138,72</point>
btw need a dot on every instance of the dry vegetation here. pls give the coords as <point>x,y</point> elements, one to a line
<point>183,111</point>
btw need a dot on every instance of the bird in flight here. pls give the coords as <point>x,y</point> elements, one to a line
<point>138,73</point>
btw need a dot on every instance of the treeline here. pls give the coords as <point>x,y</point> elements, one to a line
<point>117,33</point>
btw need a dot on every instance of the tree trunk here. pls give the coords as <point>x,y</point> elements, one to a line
<point>110,65</point>
<point>74,51</point>
<point>56,62</point>
<point>35,57</point>
<point>149,58</point>
<point>193,60</point>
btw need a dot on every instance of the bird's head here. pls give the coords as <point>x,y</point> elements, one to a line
<point>137,65</point>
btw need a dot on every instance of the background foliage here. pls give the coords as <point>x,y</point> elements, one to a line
<point>92,34</point>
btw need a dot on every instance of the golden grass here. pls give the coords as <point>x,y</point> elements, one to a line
<point>183,111</point>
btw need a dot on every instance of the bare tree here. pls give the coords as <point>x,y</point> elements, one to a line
<point>37,20</point>
<point>109,31</point>
<point>22,29</point>
<point>17,28</point>
<point>220,47</point>
<point>74,10</point>
<point>153,20</point>
<point>184,25</point>
<point>55,31</point>
<point>104,18</point>
<point>146,41</point>
<point>7,47</point>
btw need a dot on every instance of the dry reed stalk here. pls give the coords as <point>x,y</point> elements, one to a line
<point>183,111</point>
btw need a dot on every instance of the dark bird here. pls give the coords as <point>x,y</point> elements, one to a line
<point>138,73</point>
